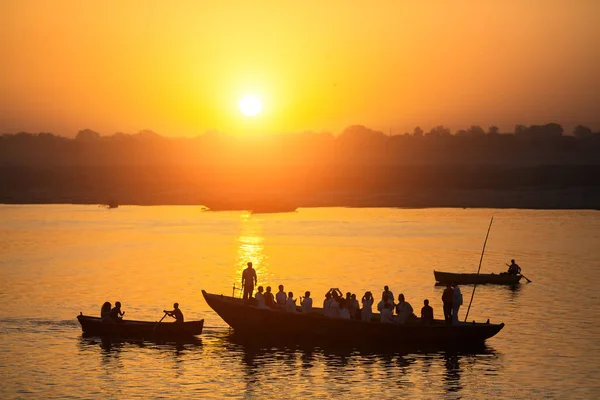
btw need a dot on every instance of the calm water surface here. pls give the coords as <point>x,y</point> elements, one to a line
<point>56,261</point>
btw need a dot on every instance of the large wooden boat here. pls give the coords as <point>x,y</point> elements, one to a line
<point>139,329</point>
<point>466,279</point>
<point>254,323</point>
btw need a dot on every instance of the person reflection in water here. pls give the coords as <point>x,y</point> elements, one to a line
<point>176,313</point>
<point>116,315</point>
<point>248,281</point>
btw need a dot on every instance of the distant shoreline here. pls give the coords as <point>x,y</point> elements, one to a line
<point>571,198</point>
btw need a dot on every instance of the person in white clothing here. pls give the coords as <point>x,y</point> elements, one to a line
<point>334,308</point>
<point>403,309</point>
<point>367,307</point>
<point>353,307</point>
<point>386,314</point>
<point>327,305</point>
<point>290,305</point>
<point>387,293</point>
<point>306,303</point>
<point>260,298</point>
<point>280,297</point>
<point>344,314</point>
<point>457,301</point>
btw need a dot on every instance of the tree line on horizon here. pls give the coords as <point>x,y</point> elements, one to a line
<point>357,144</point>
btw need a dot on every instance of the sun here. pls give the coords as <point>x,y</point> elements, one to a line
<point>250,105</point>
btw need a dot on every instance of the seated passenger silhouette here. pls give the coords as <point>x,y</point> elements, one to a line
<point>176,313</point>
<point>116,315</point>
<point>269,299</point>
<point>426,313</point>
<point>105,310</point>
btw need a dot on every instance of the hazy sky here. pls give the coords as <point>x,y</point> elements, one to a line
<point>180,68</point>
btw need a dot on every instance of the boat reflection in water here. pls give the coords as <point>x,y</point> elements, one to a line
<point>116,345</point>
<point>323,365</point>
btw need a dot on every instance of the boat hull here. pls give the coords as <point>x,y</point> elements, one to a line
<point>94,326</point>
<point>262,323</point>
<point>469,279</point>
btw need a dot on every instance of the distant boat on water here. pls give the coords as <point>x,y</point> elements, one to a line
<point>111,204</point>
<point>469,279</point>
<point>95,326</point>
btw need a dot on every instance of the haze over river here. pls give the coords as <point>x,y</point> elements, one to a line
<point>59,260</point>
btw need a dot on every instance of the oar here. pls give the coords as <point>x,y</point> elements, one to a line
<point>526,278</point>
<point>155,326</point>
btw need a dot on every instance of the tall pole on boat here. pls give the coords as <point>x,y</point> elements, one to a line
<point>478,269</point>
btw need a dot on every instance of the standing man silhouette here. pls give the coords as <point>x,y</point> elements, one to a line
<point>248,281</point>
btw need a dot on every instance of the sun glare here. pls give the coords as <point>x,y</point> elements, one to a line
<point>250,105</point>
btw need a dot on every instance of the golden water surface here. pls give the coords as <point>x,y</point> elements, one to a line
<point>59,260</point>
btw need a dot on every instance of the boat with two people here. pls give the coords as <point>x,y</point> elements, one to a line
<point>111,323</point>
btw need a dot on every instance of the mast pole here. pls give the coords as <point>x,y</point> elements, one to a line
<point>479,268</point>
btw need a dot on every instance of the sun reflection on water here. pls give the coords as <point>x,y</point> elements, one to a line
<point>251,247</point>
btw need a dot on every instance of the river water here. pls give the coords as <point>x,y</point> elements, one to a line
<point>59,260</point>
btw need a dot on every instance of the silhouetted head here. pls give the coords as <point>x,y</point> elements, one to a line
<point>454,284</point>
<point>281,288</point>
<point>368,294</point>
<point>268,289</point>
<point>307,294</point>
<point>401,298</point>
<point>290,295</point>
<point>249,265</point>
<point>328,295</point>
<point>426,302</point>
<point>118,304</point>
<point>353,297</point>
<point>348,295</point>
<point>260,289</point>
<point>386,288</point>
<point>106,305</point>
<point>448,285</point>
<point>512,261</point>
<point>176,306</point>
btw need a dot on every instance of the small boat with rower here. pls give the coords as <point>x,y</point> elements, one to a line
<point>95,326</point>
<point>254,323</point>
<point>479,279</point>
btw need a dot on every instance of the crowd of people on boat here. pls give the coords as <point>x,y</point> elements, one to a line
<point>338,305</point>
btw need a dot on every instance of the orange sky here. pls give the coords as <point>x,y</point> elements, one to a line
<point>179,68</point>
